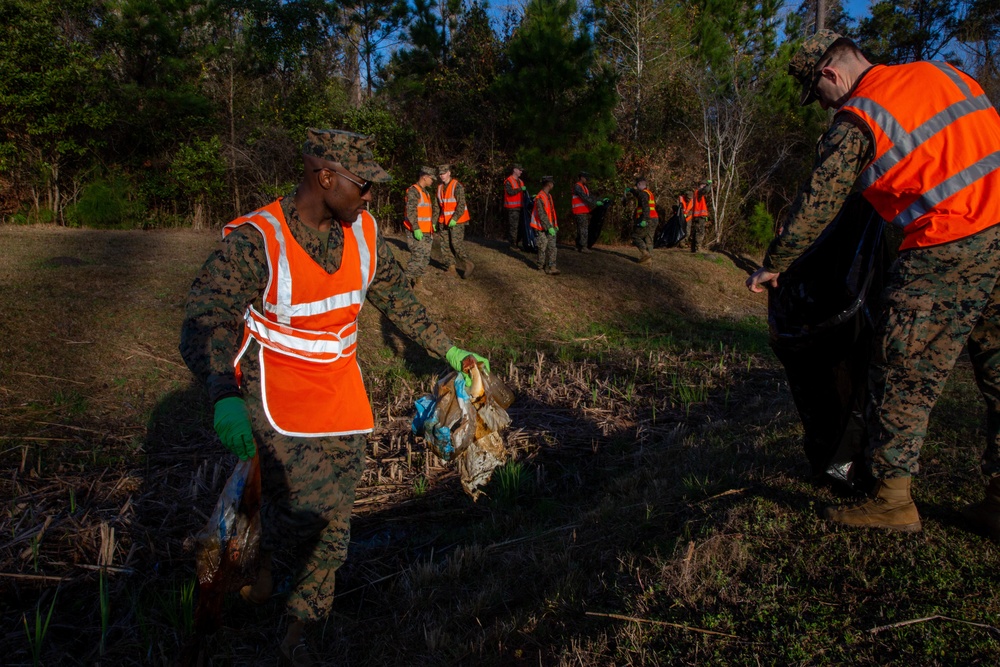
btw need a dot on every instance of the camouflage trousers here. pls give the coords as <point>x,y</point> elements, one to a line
<point>513,223</point>
<point>308,488</point>
<point>698,233</point>
<point>546,249</point>
<point>452,241</point>
<point>420,255</point>
<point>642,237</point>
<point>937,300</point>
<point>582,229</point>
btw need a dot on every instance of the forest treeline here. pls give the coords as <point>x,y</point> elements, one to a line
<point>161,113</point>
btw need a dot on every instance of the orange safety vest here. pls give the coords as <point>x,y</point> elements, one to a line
<point>446,197</point>
<point>687,208</point>
<point>936,170</point>
<point>653,215</point>
<point>307,329</point>
<point>424,212</point>
<point>700,207</point>
<point>550,210</point>
<point>579,206</point>
<point>515,200</point>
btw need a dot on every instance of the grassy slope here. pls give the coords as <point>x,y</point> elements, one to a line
<point>658,478</point>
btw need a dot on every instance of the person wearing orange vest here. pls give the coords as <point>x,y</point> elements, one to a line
<point>685,205</point>
<point>452,219</point>
<point>699,216</point>
<point>543,221</point>
<point>645,219</point>
<point>271,329</point>
<point>921,141</point>
<point>421,214</point>
<point>513,202</point>
<point>582,204</point>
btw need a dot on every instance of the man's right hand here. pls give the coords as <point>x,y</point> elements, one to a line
<point>552,231</point>
<point>760,278</point>
<point>232,423</point>
<point>642,223</point>
<point>417,234</point>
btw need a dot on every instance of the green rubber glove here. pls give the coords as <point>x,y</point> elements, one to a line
<point>606,200</point>
<point>232,423</point>
<point>600,202</point>
<point>523,188</point>
<point>642,223</point>
<point>456,356</point>
<point>552,231</point>
<point>452,223</point>
<point>417,234</point>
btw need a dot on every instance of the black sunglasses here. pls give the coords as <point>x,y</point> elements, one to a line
<point>364,186</point>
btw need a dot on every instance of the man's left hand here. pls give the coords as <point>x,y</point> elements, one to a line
<point>456,356</point>
<point>552,231</point>
<point>452,223</point>
<point>762,277</point>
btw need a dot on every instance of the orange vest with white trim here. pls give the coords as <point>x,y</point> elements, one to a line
<point>653,215</point>
<point>424,212</point>
<point>700,207</point>
<point>514,200</point>
<point>307,329</point>
<point>446,198</point>
<point>579,206</point>
<point>936,170</point>
<point>687,208</point>
<point>543,199</point>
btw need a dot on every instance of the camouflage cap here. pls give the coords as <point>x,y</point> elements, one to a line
<point>584,174</point>
<point>517,166</point>
<point>802,66</point>
<point>547,179</point>
<point>428,171</point>
<point>442,168</point>
<point>353,151</point>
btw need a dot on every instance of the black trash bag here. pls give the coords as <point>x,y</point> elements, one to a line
<point>671,233</point>
<point>596,224</point>
<point>525,234</point>
<point>822,322</point>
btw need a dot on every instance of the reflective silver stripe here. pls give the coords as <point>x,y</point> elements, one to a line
<point>322,306</point>
<point>947,188</point>
<point>364,253</point>
<point>337,345</point>
<point>905,143</point>
<point>952,74</point>
<point>282,309</point>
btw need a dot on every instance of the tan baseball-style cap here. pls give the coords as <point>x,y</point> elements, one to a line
<point>428,171</point>
<point>352,150</point>
<point>547,179</point>
<point>802,66</point>
<point>442,168</point>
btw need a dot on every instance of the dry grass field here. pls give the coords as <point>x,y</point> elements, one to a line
<point>656,511</point>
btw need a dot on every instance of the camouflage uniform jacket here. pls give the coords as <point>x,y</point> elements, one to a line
<point>460,205</point>
<point>841,155</point>
<point>542,214</point>
<point>511,191</point>
<point>589,199</point>
<point>413,198</point>
<point>236,274</point>
<point>642,204</point>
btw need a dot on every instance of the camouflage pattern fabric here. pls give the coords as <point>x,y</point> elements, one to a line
<point>453,245</point>
<point>641,203</point>
<point>546,250</point>
<point>308,488</point>
<point>841,154</point>
<point>697,232</point>
<point>642,237</point>
<point>353,151</point>
<point>937,299</point>
<point>235,275</point>
<point>803,64</point>
<point>582,221</point>
<point>513,223</point>
<point>420,255</point>
<point>413,198</point>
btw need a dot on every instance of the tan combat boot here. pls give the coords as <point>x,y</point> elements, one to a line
<point>468,269</point>
<point>294,648</point>
<point>891,507</point>
<point>645,257</point>
<point>451,271</point>
<point>985,515</point>
<point>260,591</point>
<point>418,286</point>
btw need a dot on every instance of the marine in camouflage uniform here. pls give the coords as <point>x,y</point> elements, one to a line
<point>453,235</point>
<point>699,223</point>
<point>582,220</point>
<point>545,238</point>
<point>644,225</point>
<point>939,298</point>
<point>513,214</point>
<point>308,482</point>
<point>420,249</point>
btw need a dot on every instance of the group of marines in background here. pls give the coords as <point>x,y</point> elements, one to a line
<point>447,213</point>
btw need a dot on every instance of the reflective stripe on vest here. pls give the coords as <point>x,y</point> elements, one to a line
<point>425,211</point>
<point>687,208</point>
<point>579,206</point>
<point>937,151</point>
<point>700,207</point>
<point>307,329</point>
<point>550,210</point>
<point>515,200</point>
<point>653,215</point>
<point>446,198</point>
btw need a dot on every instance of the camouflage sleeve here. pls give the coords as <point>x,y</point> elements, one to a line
<point>233,276</point>
<point>460,205</point>
<point>412,199</point>
<point>589,200</point>
<point>541,214</point>
<point>841,154</point>
<point>510,189</point>
<point>391,294</point>
<point>642,199</point>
